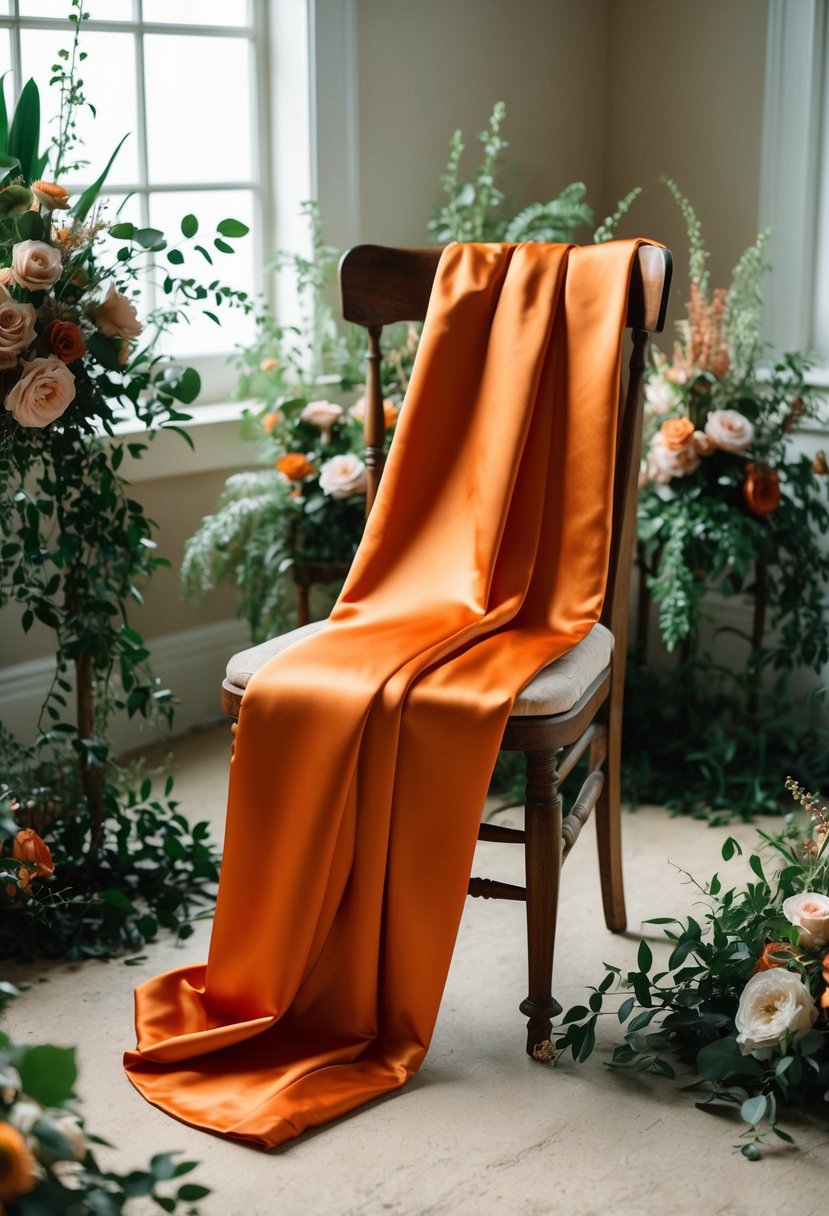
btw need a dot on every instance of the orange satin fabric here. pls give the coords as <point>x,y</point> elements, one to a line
<point>363,753</point>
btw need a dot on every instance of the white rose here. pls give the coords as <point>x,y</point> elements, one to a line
<point>116,317</point>
<point>665,463</point>
<point>772,1003</point>
<point>322,414</point>
<point>42,393</point>
<point>660,396</point>
<point>17,328</point>
<point>343,476</point>
<point>729,430</point>
<point>810,912</point>
<point>36,265</point>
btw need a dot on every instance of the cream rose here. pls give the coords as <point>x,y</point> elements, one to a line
<point>729,430</point>
<point>660,396</point>
<point>36,265</point>
<point>323,415</point>
<point>810,912</point>
<point>665,463</point>
<point>17,328</point>
<point>116,317</point>
<point>772,1004</point>
<point>42,393</point>
<point>343,476</point>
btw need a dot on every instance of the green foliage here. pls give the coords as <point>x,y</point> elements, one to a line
<point>728,509</point>
<point>477,210</point>
<point>76,550</point>
<point>685,1011</point>
<point>57,1173</point>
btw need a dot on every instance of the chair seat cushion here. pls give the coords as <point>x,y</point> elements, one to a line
<point>554,690</point>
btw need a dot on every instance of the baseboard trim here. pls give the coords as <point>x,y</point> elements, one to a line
<point>191,662</point>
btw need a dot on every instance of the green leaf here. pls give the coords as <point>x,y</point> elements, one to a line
<point>51,1138</point>
<point>231,228</point>
<point>149,238</point>
<point>189,226</point>
<point>9,167</point>
<point>223,246</point>
<point>163,1166</point>
<point>48,1074</point>
<point>24,135</point>
<point>575,1014</point>
<point>29,226</point>
<point>186,387</point>
<point>626,1008</point>
<point>176,257</point>
<point>104,351</point>
<point>730,848</point>
<point>644,958</point>
<point>87,200</point>
<point>123,231</point>
<point>4,117</point>
<point>117,899</point>
<point>753,1110</point>
<point>191,1191</point>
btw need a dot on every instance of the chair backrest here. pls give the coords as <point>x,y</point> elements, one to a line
<point>380,286</point>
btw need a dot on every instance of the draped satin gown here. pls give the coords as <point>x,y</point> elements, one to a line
<point>363,753</point>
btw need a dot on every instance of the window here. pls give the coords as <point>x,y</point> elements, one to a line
<point>188,80</point>
<point>794,185</point>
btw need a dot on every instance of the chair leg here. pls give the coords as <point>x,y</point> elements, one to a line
<point>609,827</point>
<point>542,845</point>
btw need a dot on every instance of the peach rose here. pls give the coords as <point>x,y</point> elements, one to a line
<point>295,466</point>
<point>17,328</point>
<point>17,1165</point>
<point>664,463</point>
<point>323,415</point>
<point>6,276</point>
<point>390,412</point>
<point>660,396</point>
<point>772,1004</point>
<point>703,443</point>
<point>269,364</point>
<point>343,476</point>
<point>50,196</point>
<point>271,421</point>
<point>810,912</point>
<point>676,433</point>
<point>65,339</point>
<point>761,489</point>
<point>29,848</point>
<point>730,430</point>
<point>116,317</point>
<point>36,265</point>
<point>42,393</point>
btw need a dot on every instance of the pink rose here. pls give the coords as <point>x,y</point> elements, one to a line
<point>810,912</point>
<point>36,265</point>
<point>17,328</point>
<point>323,415</point>
<point>665,463</point>
<point>116,317</point>
<point>42,393</point>
<point>6,276</point>
<point>729,430</point>
<point>343,476</point>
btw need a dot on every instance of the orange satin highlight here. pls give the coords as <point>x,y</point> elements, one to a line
<point>485,557</point>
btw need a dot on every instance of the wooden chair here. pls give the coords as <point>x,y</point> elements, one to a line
<point>573,706</point>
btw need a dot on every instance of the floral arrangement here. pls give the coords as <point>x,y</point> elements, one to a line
<point>75,545</point>
<point>727,507</point>
<point>47,1163</point>
<point>744,998</point>
<point>297,521</point>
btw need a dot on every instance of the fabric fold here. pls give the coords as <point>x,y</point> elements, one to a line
<point>363,752</point>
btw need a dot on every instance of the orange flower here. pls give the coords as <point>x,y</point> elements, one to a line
<point>65,340</point>
<point>30,849</point>
<point>824,1000</point>
<point>819,465</point>
<point>390,412</point>
<point>295,466</point>
<point>676,433</point>
<point>761,489</point>
<point>269,364</point>
<point>767,959</point>
<point>270,421</point>
<point>17,1165</point>
<point>53,197</point>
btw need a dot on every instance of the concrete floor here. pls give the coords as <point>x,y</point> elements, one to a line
<point>481,1129</point>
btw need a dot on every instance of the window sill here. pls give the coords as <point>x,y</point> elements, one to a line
<point>217,443</point>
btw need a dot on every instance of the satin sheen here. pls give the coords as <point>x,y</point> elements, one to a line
<point>363,753</point>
